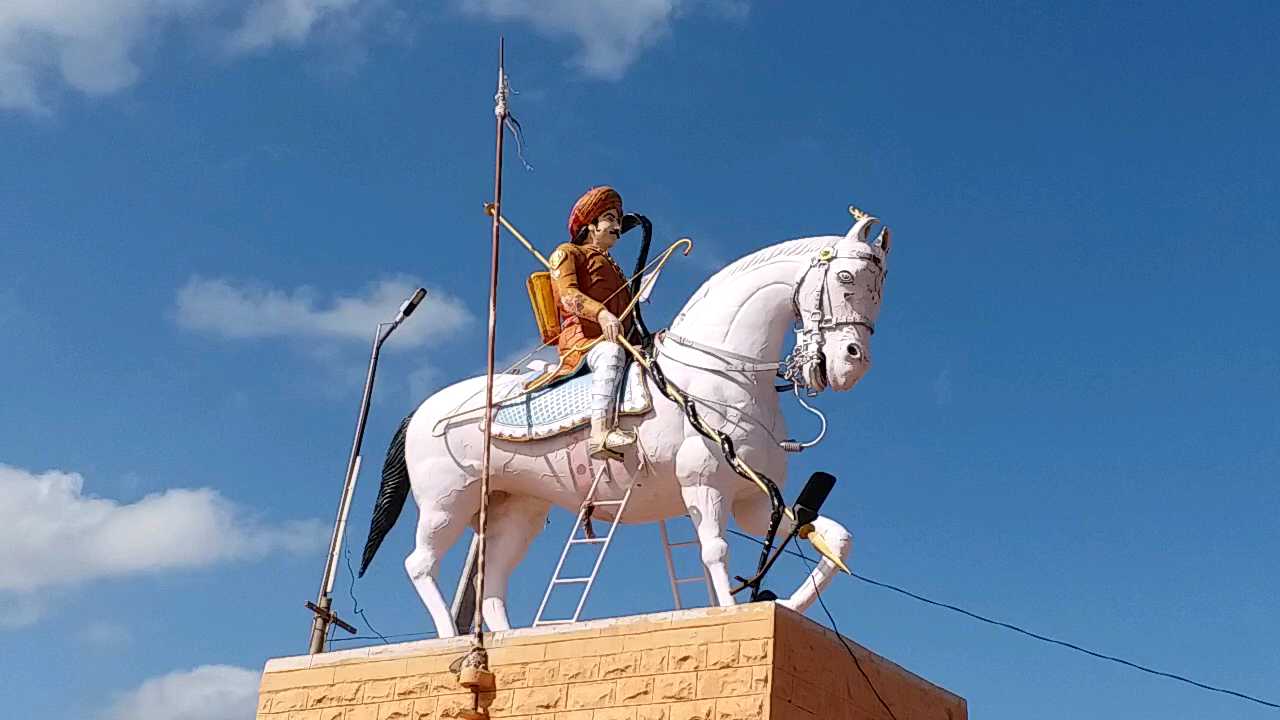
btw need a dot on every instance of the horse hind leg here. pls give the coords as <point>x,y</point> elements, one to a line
<point>752,514</point>
<point>513,522</point>
<point>443,513</point>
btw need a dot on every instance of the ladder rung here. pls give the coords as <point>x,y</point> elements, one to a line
<point>681,581</point>
<point>584,514</point>
<point>682,543</point>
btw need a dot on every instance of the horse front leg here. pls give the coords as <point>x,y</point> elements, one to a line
<point>839,540</point>
<point>707,509</point>
<point>695,466</point>
<point>752,513</point>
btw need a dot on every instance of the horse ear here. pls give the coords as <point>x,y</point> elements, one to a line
<point>882,240</point>
<point>861,225</point>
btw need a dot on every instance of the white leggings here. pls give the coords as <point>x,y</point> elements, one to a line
<point>605,360</point>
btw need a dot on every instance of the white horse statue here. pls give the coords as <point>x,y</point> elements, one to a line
<point>722,349</point>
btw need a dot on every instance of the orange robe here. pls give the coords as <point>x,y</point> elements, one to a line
<point>584,280</point>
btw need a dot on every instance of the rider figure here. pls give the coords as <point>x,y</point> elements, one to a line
<point>591,294</point>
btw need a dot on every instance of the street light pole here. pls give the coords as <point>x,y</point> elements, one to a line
<point>323,606</point>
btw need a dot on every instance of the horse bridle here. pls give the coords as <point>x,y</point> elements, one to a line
<point>806,365</point>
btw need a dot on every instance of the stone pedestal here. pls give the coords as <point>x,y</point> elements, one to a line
<point>749,662</point>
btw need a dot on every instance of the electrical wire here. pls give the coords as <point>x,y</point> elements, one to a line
<point>419,635</point>
<point>351,590</point>
<point>840,637</point>
<point>830,618</point>
<point>1034,635</point>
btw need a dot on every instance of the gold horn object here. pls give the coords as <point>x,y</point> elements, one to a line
<point>819,543</point>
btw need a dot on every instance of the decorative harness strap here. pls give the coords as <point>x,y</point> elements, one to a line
<point>749,364</point>
<point>819,315</point>
<point>804,366</point>
<point>812,336</point>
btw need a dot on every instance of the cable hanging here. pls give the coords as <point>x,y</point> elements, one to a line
<point>1028,633</point>
<point>914,596</point>
<point>418,635</point>
<point>831,619</point>
<point>355,602</point>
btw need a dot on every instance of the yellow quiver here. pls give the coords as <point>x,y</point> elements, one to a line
<point>543,301</point>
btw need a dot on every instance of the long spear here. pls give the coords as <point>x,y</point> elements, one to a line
<point>500,111</point>
<point>474,670</point>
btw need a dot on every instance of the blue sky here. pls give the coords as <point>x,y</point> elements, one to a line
<point>1072,421</point>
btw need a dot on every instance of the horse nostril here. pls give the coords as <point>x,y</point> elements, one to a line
<point>855,351</point>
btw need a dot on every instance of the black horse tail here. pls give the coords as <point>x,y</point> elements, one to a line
<point>391,495</point>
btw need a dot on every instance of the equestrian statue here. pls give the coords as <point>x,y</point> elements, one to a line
<point>689,428</point>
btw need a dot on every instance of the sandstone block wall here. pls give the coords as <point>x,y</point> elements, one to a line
<point>750,662</point>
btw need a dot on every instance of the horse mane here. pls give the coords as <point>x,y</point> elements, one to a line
<point>759,258</point>
<point>789,248</point>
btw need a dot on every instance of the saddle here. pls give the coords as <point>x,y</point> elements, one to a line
<point>563,406</point>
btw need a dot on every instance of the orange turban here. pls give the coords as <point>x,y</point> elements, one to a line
<point>591,206</point>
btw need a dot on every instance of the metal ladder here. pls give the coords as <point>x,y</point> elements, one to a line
<point>677,581</point>
<point>588,505</point>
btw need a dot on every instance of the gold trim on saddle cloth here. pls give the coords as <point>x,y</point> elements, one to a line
<point>546,417</point>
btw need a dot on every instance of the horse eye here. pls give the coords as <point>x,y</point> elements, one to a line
<point>845,277</point>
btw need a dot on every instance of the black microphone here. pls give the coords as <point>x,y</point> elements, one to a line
<point>815,493</point>
<point>411,304</point>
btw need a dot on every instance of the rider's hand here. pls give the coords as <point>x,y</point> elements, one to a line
<point>610,326</point>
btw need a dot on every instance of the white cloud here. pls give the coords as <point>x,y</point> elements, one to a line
<point>285,21</point>
<point>92,46</point>
<point>18,611</point>
<point>209,692</point>
<point>96,47</point>
<point>54,535</point>
<point>611,33</point>
<point>105,635</point>
<point>242,311</point>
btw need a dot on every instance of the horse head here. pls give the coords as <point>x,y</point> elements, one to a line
<point>836,302</point>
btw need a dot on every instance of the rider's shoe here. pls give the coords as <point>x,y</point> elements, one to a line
<point>609,444</point>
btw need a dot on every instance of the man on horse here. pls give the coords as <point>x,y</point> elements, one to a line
<point>592,297</point>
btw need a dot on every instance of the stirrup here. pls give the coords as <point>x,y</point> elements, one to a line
<point>606,446</point>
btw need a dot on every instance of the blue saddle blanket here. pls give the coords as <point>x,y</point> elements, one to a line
<point>563,407</point>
